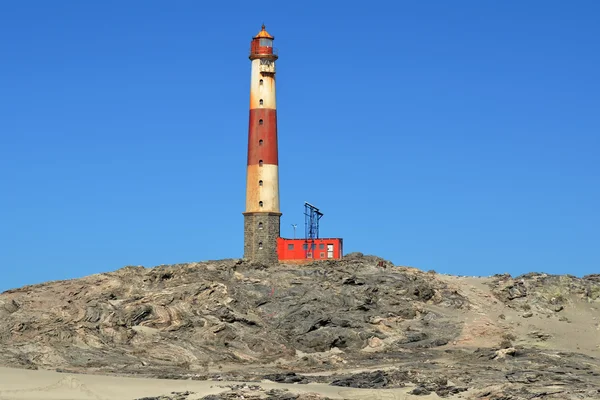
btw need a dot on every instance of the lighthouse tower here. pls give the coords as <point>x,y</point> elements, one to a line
<point>261,218</point>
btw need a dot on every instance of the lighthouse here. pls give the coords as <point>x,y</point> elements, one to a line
<point>262,215</point>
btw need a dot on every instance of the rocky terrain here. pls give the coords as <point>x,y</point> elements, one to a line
<point>358,323</point>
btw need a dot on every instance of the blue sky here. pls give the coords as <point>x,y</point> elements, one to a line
<point>457,136</point>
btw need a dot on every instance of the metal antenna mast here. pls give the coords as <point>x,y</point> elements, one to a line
<point>312,215</point>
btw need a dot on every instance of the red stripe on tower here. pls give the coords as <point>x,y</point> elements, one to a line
<point>262,137</point>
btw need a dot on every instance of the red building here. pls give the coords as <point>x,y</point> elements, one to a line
<point>308,250</point>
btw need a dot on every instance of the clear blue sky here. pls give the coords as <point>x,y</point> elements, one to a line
<point>458,136</point>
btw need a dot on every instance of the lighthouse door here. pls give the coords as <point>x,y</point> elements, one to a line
<point>329,251</point>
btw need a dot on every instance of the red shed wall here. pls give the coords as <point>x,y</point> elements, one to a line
<point>324,249</point>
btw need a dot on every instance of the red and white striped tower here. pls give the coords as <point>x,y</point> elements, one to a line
<point>261,219</point>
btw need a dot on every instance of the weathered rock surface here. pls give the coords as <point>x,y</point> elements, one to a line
<point>256,392</point>
<point>244,391</point>
<point>190,316</point>
<point>235,320</point>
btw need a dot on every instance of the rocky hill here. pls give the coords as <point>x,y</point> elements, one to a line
<point>360,322</point>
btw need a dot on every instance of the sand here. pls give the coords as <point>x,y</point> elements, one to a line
<point>18,384</point>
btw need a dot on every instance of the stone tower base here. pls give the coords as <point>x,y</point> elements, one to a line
<point>261,230</point>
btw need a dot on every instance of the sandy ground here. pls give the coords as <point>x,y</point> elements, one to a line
<point>483,325</point>
<point>18,384</point>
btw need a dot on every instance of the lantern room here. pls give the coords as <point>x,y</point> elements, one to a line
<point>262,47</point>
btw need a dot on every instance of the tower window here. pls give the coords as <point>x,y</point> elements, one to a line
<point>261,82</point>
<point>260,204</point>
<point>260,102</point>
<point>260,183</point>
<point>260,121</point>
<point>260,245</point>
<point>291,246</point>
<point>260,225</point>
<point>260,142</point>
<point>260,163</point>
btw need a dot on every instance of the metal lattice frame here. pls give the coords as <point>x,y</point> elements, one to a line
<point>312,215</point>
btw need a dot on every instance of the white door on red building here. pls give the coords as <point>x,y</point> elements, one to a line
<point>329,251</point>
